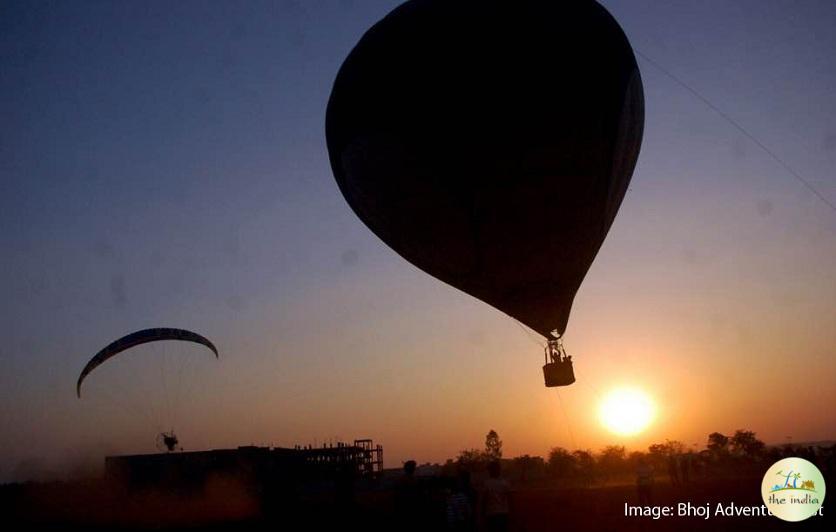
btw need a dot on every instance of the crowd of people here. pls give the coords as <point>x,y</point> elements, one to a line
<point>463,507</point>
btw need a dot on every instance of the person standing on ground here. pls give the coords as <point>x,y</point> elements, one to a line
<point>673,469</point>
<point>644,482</point>
<point>460,505</point>
<point>410,504</point>
<point>496,507</point>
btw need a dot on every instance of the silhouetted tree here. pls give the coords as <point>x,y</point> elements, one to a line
<point>718,444</point>
<point>585,465</point>
<point>675,446</point>
<point>471,460</point>
<point>611,459</point>
<point>526,466</point>
<point>660,452</point>
<point>450,468</point>
<point>744,443</point>
<point>561,462</point>
<point>493,446</point>
<point>634,458</point>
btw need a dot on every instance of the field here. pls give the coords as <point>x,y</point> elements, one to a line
<point>227,505</point>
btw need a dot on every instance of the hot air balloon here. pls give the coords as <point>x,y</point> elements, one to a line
<point>490,144</point>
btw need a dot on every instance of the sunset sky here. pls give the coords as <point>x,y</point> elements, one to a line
<point>164,164</point>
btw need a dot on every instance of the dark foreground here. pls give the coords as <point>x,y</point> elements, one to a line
<point>225,505</point>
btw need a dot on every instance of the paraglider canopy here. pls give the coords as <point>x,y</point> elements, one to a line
<point>491,144</point>
<point>138,338</point>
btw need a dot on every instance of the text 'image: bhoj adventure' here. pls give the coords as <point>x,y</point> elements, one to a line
<point>422,265</point>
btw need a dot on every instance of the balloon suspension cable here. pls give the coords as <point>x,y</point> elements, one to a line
<point>808,184</point>
<point>533,337</point>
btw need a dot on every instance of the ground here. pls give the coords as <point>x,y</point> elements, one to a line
<point>228,506</point>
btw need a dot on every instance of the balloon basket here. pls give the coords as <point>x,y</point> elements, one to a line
<point>559,373</point>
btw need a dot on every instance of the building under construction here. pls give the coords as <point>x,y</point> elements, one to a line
<point>258,466</point>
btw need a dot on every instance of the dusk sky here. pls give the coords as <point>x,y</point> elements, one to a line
<point>164,164</point>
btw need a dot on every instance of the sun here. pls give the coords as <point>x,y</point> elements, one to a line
<point>626,411</point>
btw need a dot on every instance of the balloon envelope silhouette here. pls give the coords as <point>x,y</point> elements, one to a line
<point>490,144</point>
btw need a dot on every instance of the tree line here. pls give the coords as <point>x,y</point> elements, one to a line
<point>726,455</point>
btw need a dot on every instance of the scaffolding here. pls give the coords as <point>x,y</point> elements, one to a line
<point>371,457</point>
<point>362,458</point>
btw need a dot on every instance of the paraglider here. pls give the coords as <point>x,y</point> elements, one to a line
<point>490,144</point>
<point>138,338</point>
<point>165,441</point>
